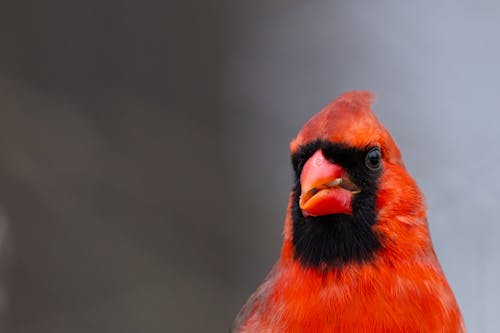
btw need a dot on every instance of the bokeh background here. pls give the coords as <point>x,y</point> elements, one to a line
<point>144,162</point>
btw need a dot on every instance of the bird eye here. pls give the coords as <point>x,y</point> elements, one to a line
<point>373,159</point>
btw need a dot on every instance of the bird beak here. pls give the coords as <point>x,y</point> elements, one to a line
<point>326,188</point>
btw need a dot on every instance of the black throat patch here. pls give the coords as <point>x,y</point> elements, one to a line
<point>334,240</point>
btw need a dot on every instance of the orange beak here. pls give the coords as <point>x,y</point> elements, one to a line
<point>326,188</point>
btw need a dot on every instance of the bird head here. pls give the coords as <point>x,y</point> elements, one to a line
<point>353,200</point>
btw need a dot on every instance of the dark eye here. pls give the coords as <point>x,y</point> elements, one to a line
<point>373,159</point>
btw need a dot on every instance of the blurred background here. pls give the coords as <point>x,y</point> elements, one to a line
<point>144,163</point>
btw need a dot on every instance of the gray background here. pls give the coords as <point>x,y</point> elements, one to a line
<point>144,162</point>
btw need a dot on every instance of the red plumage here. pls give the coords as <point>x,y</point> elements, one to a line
<point>400,288</point>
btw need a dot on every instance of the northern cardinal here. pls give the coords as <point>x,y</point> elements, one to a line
<point>357,255</point>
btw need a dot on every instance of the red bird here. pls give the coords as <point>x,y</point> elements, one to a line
<point>357,255</point>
